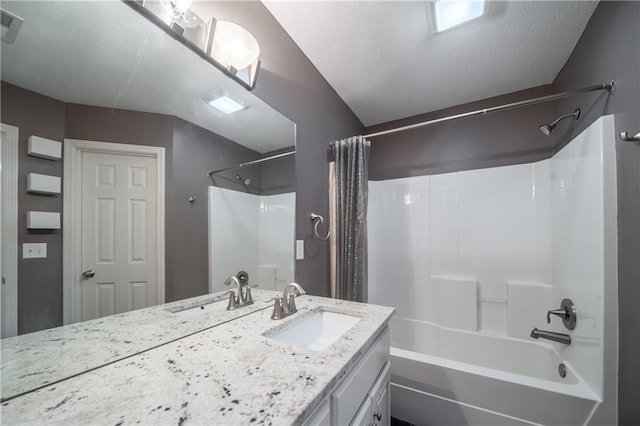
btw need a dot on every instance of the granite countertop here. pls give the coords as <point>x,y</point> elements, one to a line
<point>230,374</point>
<point>37,359</point>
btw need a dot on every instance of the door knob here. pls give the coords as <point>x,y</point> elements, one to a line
<point>89,273</point>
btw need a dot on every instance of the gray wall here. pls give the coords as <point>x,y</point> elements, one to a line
<point>39,280</point>
<point>609,49</point>
<point>497,139</point>
<point>279,176</point>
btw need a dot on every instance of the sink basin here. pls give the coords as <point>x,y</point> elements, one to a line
<point>316,330</point>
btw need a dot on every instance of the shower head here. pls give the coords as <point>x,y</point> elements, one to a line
<point>546,129</point>
<point>245,182</point>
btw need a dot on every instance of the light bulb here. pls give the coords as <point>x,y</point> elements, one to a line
<point>234,46</point>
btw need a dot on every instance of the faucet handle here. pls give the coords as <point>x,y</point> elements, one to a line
<point>277,308</point>
<point>248,300</point>
<point>557,312</point>
<point>567,312</point>
<point>291,303</point>
<point>233,301</point>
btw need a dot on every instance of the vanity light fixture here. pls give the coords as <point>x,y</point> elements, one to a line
<point>235,48</point>
<point>451,13</point>
<point>223,102</point>
<point>226,45</point>
<point>180,7</point>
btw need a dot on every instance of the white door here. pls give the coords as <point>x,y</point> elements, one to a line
<point>119,239</point>
<point>9,228</point>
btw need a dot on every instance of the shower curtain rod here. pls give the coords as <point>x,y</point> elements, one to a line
<point>251,163</point>
<point>608,86</point>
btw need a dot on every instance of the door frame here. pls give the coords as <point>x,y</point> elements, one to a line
<point>72,217</point>
<point>9,227</point>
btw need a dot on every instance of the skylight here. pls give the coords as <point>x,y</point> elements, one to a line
<point>451,13</point>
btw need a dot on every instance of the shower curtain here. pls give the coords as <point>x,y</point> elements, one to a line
<point>349,180</point>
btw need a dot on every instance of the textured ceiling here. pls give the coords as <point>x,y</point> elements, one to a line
<point>106,54</point>
<point>385,61</point>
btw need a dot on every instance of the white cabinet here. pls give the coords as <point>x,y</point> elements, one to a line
<point>365,414</point>
<point>380,401</point>
<point>321,416</point>
<point>361,397</point>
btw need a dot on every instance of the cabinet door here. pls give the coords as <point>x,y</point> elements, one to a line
<point>364,415</point>
<point>357,385</point>
<point>381,403</point>
<point>321,416</point>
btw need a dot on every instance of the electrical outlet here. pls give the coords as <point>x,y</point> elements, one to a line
<point>34,250</point>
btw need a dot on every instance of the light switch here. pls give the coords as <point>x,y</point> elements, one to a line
<point>299,249</point>
<point>34,250</point>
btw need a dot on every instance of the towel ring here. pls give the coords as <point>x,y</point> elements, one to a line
<point>317,220</point>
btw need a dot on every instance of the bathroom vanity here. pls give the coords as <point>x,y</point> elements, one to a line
<point>326,364</point>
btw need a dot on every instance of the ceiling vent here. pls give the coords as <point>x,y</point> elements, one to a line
<point>10,25</point>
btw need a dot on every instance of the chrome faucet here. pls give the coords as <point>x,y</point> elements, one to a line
<point>565,339</point>
<point>286,305</point>
<point>244,292</point>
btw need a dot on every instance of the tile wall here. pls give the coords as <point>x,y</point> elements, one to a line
<point>253,233</point>
<point>429,233</point>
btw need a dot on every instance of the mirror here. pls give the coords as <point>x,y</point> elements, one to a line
<point>127,84</point>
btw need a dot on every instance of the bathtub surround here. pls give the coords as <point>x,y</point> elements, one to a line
<point>350,221</point>
<point>461,393</point>
<point>508,243</point>
<point>585,253</point>
<point>470,232</point>
<point>612,33</point>
<point>252,233</point>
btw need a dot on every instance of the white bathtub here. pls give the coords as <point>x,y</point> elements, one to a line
<point>445,376</point>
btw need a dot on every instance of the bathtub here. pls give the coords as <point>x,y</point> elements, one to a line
<point>442,376</point>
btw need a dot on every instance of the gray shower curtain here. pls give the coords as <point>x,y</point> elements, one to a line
<point>350,204</point>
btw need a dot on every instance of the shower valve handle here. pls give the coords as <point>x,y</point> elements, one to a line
<point>567,312</point>
<point>557,312</point>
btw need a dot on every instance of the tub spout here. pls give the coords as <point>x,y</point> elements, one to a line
<point>565,339</point>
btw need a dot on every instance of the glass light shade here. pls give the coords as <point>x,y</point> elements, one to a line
<point>181,6</point>
<point>233,46</point>
<point>450,13</point>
